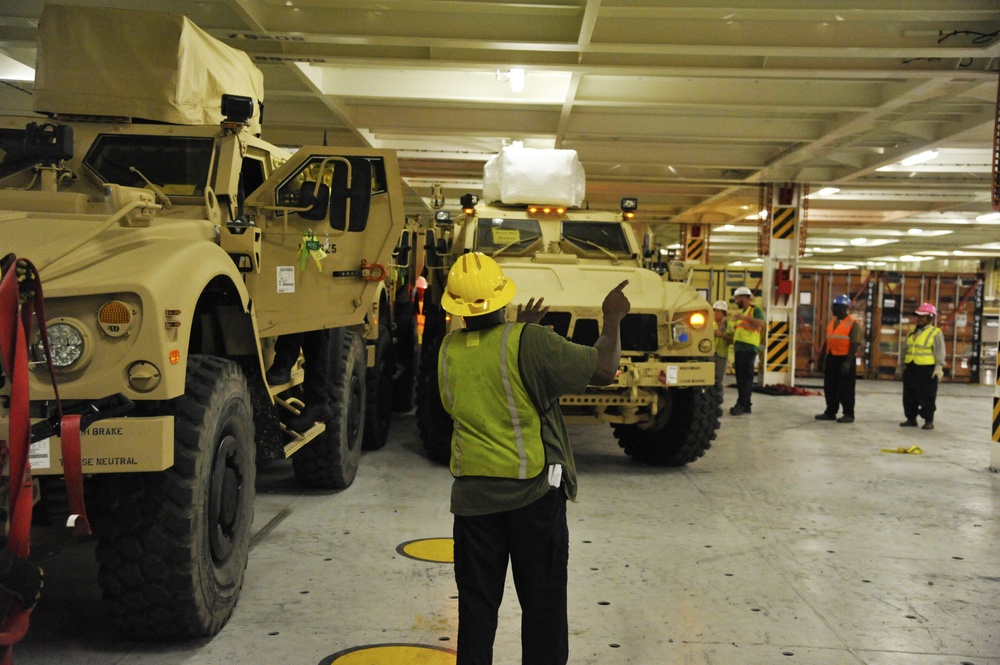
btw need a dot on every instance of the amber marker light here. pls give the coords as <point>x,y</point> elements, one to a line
<point>698,320</point>
<point>175,357</point>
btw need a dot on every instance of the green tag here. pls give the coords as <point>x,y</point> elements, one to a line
<point>312,244</point>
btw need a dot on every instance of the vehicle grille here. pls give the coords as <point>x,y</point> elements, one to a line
<point>638,331</point>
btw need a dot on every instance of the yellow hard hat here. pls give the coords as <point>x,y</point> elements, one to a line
<point>476,286</point>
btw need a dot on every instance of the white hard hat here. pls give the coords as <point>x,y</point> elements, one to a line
<point>743,291</point>
<point>721,304</point>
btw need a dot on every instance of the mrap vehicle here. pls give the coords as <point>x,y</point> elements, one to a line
<point>664,406</point>
<point>174,246</point>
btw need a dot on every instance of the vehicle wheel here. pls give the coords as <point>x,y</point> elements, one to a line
<point>330,461</point>
<point>433,421</point>
<point>378,392</point>
<point>682,435</point>
<point>173,545</point>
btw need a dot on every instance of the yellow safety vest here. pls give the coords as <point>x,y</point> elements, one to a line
<point>920,346</point>
<point>498,432</point>
<point>721,344</point>
<point>745,332</point>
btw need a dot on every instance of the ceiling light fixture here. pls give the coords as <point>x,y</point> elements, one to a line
<point>517,80</point>
<point>920,157</point>
<point>989,217</point>
<point>827,191</point>
<point>915,232</point>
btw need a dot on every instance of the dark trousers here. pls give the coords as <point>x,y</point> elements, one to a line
<point>536,540</point>
<point>839,381</point>
<point>919,392</point>
<point>743,368</point>
<point>315,345</point>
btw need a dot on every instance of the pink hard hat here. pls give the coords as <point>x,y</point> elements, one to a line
<point>928,309</point>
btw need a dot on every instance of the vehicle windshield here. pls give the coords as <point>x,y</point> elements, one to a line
<point>597,236</point>
<point>510,236</point>
<point>178,165</point>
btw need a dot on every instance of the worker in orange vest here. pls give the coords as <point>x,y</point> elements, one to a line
<point>843,339</point>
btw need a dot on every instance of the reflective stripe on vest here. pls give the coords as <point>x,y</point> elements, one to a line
<point>498,432</point>
<point>838,336</point>
<point>745,332</point>
<point>920,347</point>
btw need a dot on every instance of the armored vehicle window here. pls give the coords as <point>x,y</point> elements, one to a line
<point>509,236</point>
<point>12,154</point>
<point>179,165</point>
<point>289,191</point>
<point>594,236</point>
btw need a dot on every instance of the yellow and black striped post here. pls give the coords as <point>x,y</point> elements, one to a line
<point>778,349</point>
<point>783,223</point>
<point>995,446</point>
<point>696,243</point>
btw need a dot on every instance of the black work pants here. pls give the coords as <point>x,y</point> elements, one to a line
<point>536,540</point>
<point>743,368</point>
<point>315,345</point>
<point>919,392</point>
<point>839,381</point>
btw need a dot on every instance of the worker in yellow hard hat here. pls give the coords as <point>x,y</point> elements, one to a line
<point>510,454</point>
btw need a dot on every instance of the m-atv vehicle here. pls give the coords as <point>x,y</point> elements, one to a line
<point>664,406</point>
<point>173,251</point>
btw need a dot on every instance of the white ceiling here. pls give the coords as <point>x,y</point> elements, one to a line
<point>688,105</point>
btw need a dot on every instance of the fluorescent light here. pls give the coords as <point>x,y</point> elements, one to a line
<point>12,70</point>
<point>988,217</point>
<point>827,191</point>
<point>859,241</point>
<point>920,157</point>
<point>517,81</point>
<point>915,232</point>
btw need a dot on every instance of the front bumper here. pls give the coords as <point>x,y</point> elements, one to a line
<point>112,445</point>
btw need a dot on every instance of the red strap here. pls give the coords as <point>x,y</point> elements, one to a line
<point>73,472</point>
<point>14,349</point>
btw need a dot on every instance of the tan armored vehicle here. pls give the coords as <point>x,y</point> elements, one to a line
<point>664,407</point>
<point>174,246</point>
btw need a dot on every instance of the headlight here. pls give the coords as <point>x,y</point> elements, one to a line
<point>698,320</point>
<point>69,343</point>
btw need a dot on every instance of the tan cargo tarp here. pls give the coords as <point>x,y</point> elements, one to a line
<point>158,67</point>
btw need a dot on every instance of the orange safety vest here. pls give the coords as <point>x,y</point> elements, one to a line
<point>838,336</point>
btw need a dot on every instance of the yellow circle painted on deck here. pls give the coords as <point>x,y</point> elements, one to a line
<point>438,550</point>
<point>392,654</point>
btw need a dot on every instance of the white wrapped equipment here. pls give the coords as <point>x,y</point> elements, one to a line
<point>530,175</point>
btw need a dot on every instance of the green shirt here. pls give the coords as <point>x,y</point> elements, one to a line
<point>550,366</point>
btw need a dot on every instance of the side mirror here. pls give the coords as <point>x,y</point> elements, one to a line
<point>316,197</point>
<point>350,198</point>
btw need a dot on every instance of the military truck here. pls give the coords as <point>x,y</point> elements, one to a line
<point>664,406</point>
<point>174,246</point>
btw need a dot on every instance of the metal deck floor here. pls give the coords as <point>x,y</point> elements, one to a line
<point>793,541</point>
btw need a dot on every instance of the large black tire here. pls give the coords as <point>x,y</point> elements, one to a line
<point>173,545</point>
<point>330,461</point>
<point>681,435</point>
<point>433,421</point>
<point>379,392</point>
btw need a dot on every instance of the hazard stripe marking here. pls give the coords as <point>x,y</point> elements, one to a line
<point>996,419</point>
<point>695,249</point>
<point>783,224</point>
<point>778,354</point>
